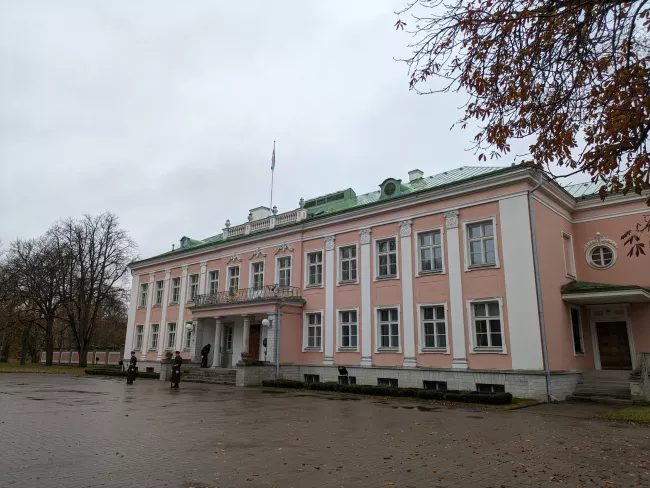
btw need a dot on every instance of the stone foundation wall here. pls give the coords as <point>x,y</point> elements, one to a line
<point>254,375</point>
<point>640,379</point>
<point>520,383</point>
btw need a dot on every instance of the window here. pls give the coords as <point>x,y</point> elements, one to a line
<point>154,336</point>
<point>348,259</point>
<point>390,382</point>
<point>388,320</point>
<point>314,331</point>
<point>481,244</point>
<point>434,327</point>
<point>176,289</point>
<point>228,331</point>
<point>233,278</point>
<point>139,334</point>
<point>576,330</point>
<point>387,258</point>
<point>312,378</point>
<point>435,385</point>
<point>347,380</point>
<point>487,325</point>
<point>284,271</point>
<point>171,335</point>
<point>349,329</point>
<point>188,336</point>
<point>315,268</point>
<point>257,275</point>
<point>194,286</point>
<point>214,282</point>
<point>430,251</point>
<point>144,287</point>
<point>569,261</point>
<point>602,257</point>
<point>490,388</point>
<point>160,286</point>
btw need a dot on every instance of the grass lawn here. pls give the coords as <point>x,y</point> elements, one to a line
<point>640,415</point>
<point>15,367</point>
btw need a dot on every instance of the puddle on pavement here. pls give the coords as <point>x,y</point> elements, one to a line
<point>473,417</point>
<point>36,398</point>
<point>427,409</point>
<point>345,399</point>
<point>273,392</point>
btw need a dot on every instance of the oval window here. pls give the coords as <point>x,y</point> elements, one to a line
<point>602,256</point>
<point>389,189</point>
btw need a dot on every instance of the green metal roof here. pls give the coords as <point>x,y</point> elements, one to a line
<point>590,287</point>
<point>346,200</point>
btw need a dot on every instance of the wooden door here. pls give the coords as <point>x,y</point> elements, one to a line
<point>613,345</point>
<point>254,343</point>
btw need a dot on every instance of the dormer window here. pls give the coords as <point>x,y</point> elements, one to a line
<point>390,188</point>
<point>185,242</point>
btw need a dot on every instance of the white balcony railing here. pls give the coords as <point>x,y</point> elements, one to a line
<point>267,223</point>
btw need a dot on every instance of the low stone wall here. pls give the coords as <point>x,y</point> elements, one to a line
<point>640,379</point>
<point>248,375</point>
<point>522,384</point>
<point>164,367</point>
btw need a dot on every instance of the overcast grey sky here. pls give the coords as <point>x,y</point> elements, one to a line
<point>165,112</point>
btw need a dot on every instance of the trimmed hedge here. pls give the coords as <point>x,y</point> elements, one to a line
<point>448,395</point>
<point>117,372</point>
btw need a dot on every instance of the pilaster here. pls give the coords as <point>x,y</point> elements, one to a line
<point>456,309</point>
<point>163,318</point>
<point>216,357</point>
<point>329,300</point>
<point>407,294</point>
<point>365,270</point>
<point>182,299</point>
<point>147,326</point>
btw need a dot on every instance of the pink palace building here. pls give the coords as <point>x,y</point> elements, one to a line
<point>425,282</point>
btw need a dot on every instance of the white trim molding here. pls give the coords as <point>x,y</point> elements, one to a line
<point>456,308</point>
<point>610,313</point>
<point>375,241</point>
<point>418,260</point>
<point>329,278</point>
<point>572,258</point>
<point>307,286</point>
<point>596,242</point>
<point>375,317</point>
<point>470,322</point>
<point>277,268</point>
<point>422,349</point>
<point>339,264</point>
<point>305,325</point>
<point>406,244</point>
<point>488,218</point>
<point>339,333</point>
<point>366,310</point>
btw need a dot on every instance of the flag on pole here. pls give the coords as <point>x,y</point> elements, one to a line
<point>273,157</point>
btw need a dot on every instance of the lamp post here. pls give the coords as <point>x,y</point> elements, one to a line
<point>266,323</point>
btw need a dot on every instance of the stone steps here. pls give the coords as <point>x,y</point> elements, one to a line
<point>603,386</point>
<point>214,376</point>
<point>598,399</point>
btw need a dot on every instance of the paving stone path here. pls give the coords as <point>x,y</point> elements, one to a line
<point>80,432</point>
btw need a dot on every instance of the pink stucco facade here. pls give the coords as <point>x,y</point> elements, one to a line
<point>394,318</point>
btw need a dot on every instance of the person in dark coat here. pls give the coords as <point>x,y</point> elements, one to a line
<point>130,372</point>
<point>204,355</point>
<point>121,363</point>
<point>176,370</point>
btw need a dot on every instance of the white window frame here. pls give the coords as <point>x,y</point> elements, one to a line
<point>171,294</point>
<point>152,334</point>
<point>569,260</point>
<point>375,243</point>
<point>339,265</point>
<point>210,289</point>
<point>277,269</point>
<point>421,342</point>
<point>472,337</point>
<point>339,330</point>
<point>466,224</point>
<point>191,298</point>
<point>187,338</point>
<point>387,350</point>
<point>416,237</point>
<point>144,292</point>
<point>139,337</point>
<point>590,251</point>
<point>167,332</point>
<point>251,278</point>
<point>580,326</point>
<point>305,327</point>
<point>229,276</point>
<point>156,293</point>
<point>322,281</point>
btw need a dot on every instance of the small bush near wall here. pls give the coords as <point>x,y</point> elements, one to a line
<point>448,395</point>
<point>117,372</point>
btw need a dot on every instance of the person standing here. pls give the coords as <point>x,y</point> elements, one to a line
<point>176,370</point>
<point>204,355</point>
<point>130,373</point>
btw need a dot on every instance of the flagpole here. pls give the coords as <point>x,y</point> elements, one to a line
<point>272,173</point>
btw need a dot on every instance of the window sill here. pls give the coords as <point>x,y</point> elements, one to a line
<point>348,282</point>
<point>429,273</point>
<point>153,349</point>
<point>140,307</point>
<point>434,350</point>
<point>386,277</point>
<point>475,267</point>
<point>312,349</point>
<point>488,350</point>
<point>173,303</point>
<point>579,354</point>
<point>348,349</point>
<point>394,350</point>
<point>318,285</point>
<point>157,305</point>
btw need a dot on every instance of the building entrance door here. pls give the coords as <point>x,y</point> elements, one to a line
<point>613,345</point>
<point>254,343</point>
<point>226,348</point>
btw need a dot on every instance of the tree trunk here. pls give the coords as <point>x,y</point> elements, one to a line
<point>24,343</point>
<point>83,355</point>
<point>49,342</point>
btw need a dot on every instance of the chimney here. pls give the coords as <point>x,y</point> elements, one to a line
<point>415,174</point>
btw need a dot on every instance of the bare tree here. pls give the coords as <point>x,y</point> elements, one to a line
<point>36,277</point>
<point>97,253</point>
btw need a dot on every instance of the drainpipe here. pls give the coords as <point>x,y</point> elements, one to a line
<point>538,285</point>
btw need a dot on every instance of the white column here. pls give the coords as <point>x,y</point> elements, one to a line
<point>407,294</point>
<point>329,300</point>
<point>180,324</point>
<point>366,311</point>
<point>246,334</point>
<point>163,318</point>
<point>130,325</point>
<point>145,332</point>
<point>216,357</point>
<point>521,292</point>
<point>456,309</point>
<point>196,343</point>
<point>271,338</point>
<point>202,277</point>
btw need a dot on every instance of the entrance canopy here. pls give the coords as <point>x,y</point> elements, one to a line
<point>588,293</point>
